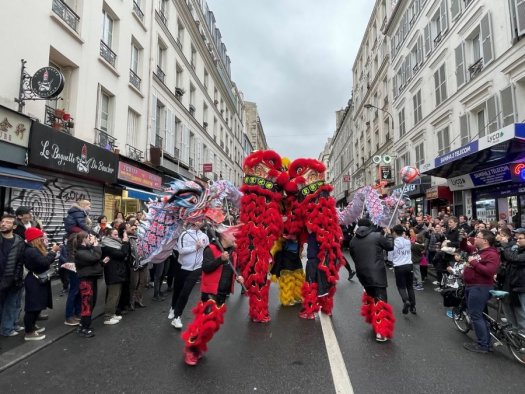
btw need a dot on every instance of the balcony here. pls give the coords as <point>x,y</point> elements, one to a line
<point>138,11</point>
<point>476,68</point>
<point>66,14</point>
<point>134,153</point>
<point>160,74</point>
<point>438,38</point>
<point>163,17</point>
<point>107,54</point>
<point>176,153</point>
<point>158,141</point>
<point>134,79</point>
<point>104,140</point>
<point>53,119</point>
<point>192,110</point>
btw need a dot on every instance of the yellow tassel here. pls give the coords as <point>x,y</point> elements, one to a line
<point>298,277</point>
<point>286,287</point>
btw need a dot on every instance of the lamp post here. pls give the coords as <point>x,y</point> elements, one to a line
<point>369,106</point>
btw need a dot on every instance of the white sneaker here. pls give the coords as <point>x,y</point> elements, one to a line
<point>119,318</point>
<point>435,283</point>
<point>171,315</point>
<point>111,321</point>
<point>39,330</point>
<point>177,323</point>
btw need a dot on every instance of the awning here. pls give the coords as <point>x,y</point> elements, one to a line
<point>143,195</point>
<point>12,177</point>
<point>506,145</point>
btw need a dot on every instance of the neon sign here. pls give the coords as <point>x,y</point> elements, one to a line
<point>519,170</point>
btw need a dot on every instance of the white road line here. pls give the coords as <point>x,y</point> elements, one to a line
<point>337,363</point>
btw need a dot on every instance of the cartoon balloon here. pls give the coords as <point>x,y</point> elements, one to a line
<point>408,174</point>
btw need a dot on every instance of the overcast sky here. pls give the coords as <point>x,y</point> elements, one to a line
<point>294,59</point>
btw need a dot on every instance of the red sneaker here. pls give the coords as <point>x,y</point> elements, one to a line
<point>190,358</point>
<point>307,316</point>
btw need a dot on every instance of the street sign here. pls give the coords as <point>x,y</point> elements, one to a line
<point>207,167</point>
<point>346,178</point>
<point>386,172</point>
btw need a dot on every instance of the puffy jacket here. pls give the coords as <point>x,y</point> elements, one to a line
<point>88,261</point>
<point>76,217</point>
<point>367,251</point>
<point>482,272</point>
<point>116,269</point>
<point>515,268</point>
<point>12,269</point>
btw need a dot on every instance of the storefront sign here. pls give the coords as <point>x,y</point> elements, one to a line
<point>497,137</point>
<point>462,182</point>
<point>207,167</point>
<point>47,82</point>
<point>61,152</point>
<point>463,151</point>
<point>517,171</point>
<point>431,193</point>
<point>137,176</point>
<point>14,128</point>
<point>490,176</point>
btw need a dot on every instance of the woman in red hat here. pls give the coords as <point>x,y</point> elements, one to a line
<point>38,297</point>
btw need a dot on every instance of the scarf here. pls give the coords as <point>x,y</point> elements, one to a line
<point>111,243</point>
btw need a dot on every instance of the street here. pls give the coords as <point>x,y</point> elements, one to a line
<point>143,354</point>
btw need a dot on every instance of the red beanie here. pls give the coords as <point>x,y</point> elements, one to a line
<point>33,233</point>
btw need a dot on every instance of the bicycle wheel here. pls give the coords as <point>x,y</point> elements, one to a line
<point>516,343</point>
<point>461,320</point>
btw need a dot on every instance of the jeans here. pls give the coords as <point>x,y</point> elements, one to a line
<point>514,313</point>
<point>73,297</point>
<point>417,274</point>
<point>477,298</point>
<point>405,283</point>
<point>10,306</point>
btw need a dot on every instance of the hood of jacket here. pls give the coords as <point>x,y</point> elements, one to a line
<point>111,243</point>
<point>363,231</point>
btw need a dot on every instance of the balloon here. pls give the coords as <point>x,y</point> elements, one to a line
<point>409,174</point>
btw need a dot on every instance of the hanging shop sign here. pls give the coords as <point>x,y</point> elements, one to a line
<point>14,128</point>
<point>517,172</point>
<point>386,173</point>
<point>61,152</point>
<point>48,82</point>
<point>346,178</point>
<point>137,176</point>
<point>489,176</point>
<point>207,167</point>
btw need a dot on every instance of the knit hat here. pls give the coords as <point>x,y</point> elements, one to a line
<point>33,233</point>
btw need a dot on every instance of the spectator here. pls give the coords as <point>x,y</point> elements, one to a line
<point>418,250</point>
<point>478,277</point>
<point>114,272</point>
<point>191,244</point>
<point>38,297</point>
<point>101,226</point>
<point>435,237</point>
<point>88,263</point>
<point>420,226</point>
<point>138,274</point>
<point>11,276</point>
<point>119,216</point>
<point>515,280</point>
<point>403,269</point>
<point>125,298</point>
<point>73,307</point>
<point>463,224</point>
<point>77,218</point>
<point>24,220</point>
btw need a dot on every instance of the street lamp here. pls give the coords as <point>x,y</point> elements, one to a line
<point>369,106</point>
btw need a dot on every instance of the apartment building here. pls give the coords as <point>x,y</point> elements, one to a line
<point>254,127</point>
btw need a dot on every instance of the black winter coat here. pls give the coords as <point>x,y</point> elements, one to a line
<point>12,272</point>
<point>367,250</point>
<point>515,271</point>
<point>88,262</point>
<point>116,270</point>
<point>38,295</point>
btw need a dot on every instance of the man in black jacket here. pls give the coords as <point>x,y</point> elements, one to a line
<point>515,258</point>
<point>24,220</point>
<point>11,276</point>
<point>367,250</point>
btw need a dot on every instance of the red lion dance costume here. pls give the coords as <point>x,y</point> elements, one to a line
<point>316,209</point>
<point>261,226</point>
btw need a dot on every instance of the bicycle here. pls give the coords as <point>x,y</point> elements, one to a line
<point>502,332</point>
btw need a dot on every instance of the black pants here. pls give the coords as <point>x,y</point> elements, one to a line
<point>173,269</point>
<point>88,296</point>
<point>379,293</point>
<point>64,278</point>
<point>30,321</point>
<point>424,272</point>
<point>184,282</point>
<point>405,283</point>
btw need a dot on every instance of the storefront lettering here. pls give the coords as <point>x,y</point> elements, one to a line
<point>453,155</point>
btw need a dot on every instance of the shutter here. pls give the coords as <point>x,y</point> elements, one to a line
<point>186,144</point>
<point>460,65</point>
<point>198,156</point>
<point>486,40</point>
<point>464,129</point>
<point>170,133</point>
<point>507,106</point>
<point>443,16</point>
<point>153,127</point>
<point>428,42</point>
<point>51,203</point>
<point>436,87</point>
<point>443,81</point>
<point>455,8</point>
<point>419,55</point>
<point>492,113</point>
<point>408,68</point>
<point>520,16</point>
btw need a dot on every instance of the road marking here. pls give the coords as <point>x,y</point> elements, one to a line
<point>337,363</point>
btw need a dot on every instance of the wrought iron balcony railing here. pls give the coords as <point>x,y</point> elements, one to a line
<point>66,14</point>
<point>476,68</point>
<point>53,121</point>
<point>134,153</point>
<point>138,11</point>
<point>162,17</point>
<point>104,140</point>
<point>107,54</point>
<point>134,79</point>
<point>160,74</point>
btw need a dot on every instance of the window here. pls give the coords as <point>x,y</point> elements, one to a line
<point>518,17</point>
<point>487,117</point>
<point>205,115</point>
<point>481,122</point>
<point>161,59</point>
<point>133,127</point>
<point>440,85</point>
<point>457,7</point>
<point>205,80</point>
<point>164,10</point>
<point>107,29</point>
<point>178,76</point>
<point>464,129</point>
<point>403,160</point>
<point>507,106</point>
<point>418,114</point>
<point>180,34</point>
<point>134,62</point>
<point>459,54</point>
<point>420,154</point>
<point>439,23</point>
<point>193,57</point>
<point>104,116</point>
<point>402,129</point>
<point>443,137</point>
<point>160,125</point>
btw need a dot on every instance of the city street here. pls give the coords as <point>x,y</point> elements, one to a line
<point>144,354</point>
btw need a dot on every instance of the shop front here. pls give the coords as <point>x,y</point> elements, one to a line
<point>489,174</point>
<point>416,192</point>
<point>73,169</point>
<point>136,186</point>
<point>14,141</point>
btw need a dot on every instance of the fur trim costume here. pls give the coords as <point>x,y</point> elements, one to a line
<point>379,314</point>
<point>315,208</point>
<point>261,226</point>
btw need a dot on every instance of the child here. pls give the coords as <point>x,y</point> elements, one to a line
<point>418,250</point>
<point>77,218</point>
<point>453,280</point>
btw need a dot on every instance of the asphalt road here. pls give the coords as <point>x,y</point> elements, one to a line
<point>143,354</point>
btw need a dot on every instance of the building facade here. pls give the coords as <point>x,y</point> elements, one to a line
<point>254,127</point>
